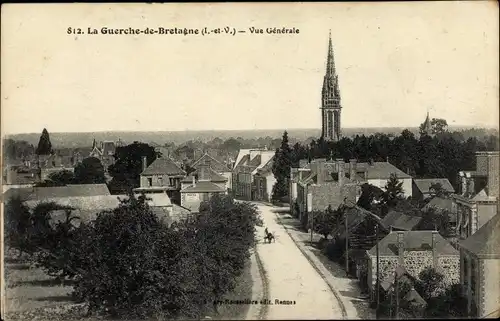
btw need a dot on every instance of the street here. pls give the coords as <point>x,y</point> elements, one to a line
<point>291,278</point>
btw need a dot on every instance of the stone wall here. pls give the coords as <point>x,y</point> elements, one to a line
<point>416,261</point>
<point>449,266</point>
<point>331,194</point>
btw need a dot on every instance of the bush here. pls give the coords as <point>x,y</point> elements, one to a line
<point>335,250</point>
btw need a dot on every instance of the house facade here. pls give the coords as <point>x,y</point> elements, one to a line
<point>200,188</point>
<point>247,164</point>
<point>480,269</point>
<point>163,175</point>
<point>478,197</point>
<point>413,251</point>
<point>216,166</point>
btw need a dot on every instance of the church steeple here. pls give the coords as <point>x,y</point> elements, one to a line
<point>330,98</point>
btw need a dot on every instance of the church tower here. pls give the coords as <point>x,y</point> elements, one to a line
<point>330,100</point>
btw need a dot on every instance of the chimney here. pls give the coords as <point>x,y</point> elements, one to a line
<point>434,250</point>
<point>340,163</point>
<point>401,247</point>
<point>194,181</point>
<point>470,184</point>
<point>353,168</point>
<point>144,163</point>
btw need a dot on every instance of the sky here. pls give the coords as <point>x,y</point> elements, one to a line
<point>395,61</point>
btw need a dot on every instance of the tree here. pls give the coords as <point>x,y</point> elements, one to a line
<point>430,283</point>
<point>128,166</point>
<point>436,189</point>
<point>61,178</point>
<point>44,144</point>
<point>438,126</point>
<point>393,191</point>
<point>281,168</point>
<point>89,171</point>
<point>370,194</point>
<point>326,221</point>
<point>17,225</point>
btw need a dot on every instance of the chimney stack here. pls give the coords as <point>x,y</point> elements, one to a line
<point>353,168</point>
<point>401,247</point>
<point>341,170</point>
<point>144,163</point>
<point>434,250</point>
<point>194,181</point>
<point>470,184</point>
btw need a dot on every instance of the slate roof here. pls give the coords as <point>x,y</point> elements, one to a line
<point>413,240</point>
<point>255,161</point>
<point>401,220</point>
<point>203,187</point>
<point>485,243</point>
<point>440,203</point>
<point>424,185</point>
<point>42,193</point>
<point>162,166</point>
<point>215,164</point>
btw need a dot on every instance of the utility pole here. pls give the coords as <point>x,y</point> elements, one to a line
<point>396,283</point>
<point>312,225</point>
<point>346,245</point>
<point>378,274</point>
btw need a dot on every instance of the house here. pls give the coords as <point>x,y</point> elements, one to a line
<point>478,197</point>
<point>163,175</point>
<point>414,251</point>
<point>201,188</point>
<point>326,184</point>
<point>441,205</point>
<point>358,226</point>
<point>264,182</point>
<point>217,166</point>
<point>480,269</point>
<point>421,188</point>
<point>105,152</point>
<point>246,165</point>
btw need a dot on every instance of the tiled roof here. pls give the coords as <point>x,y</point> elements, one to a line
<point>381,170</point>
<point>163,166</point>
<point>424,184</point>
<point>203,187</point>
<point>400,220</point>
<point>215,164</point>
<point>485,243</point>
<point>413,240</point>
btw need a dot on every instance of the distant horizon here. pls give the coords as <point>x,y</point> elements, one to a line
<point>244,129</point>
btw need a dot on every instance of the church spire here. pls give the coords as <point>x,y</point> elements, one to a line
<point>330,96</point>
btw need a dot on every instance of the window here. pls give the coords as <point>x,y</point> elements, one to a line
<point>150,181</point>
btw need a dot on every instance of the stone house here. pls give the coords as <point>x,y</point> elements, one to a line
<point>217,166</point>
<point>325,185</point>
<point>163,175</point>
<point>478,197</point>
<point>247,163</point>
<point>480,269</point>
<point>421,188</point>
<point>414,251</point>
<point>201,188</point>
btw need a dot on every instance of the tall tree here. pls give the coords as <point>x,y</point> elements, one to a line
<point>90,171</point>
<point>128,165</point>
<point>281,168</point>
<point>44,144</point>
<point>393,191</point>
